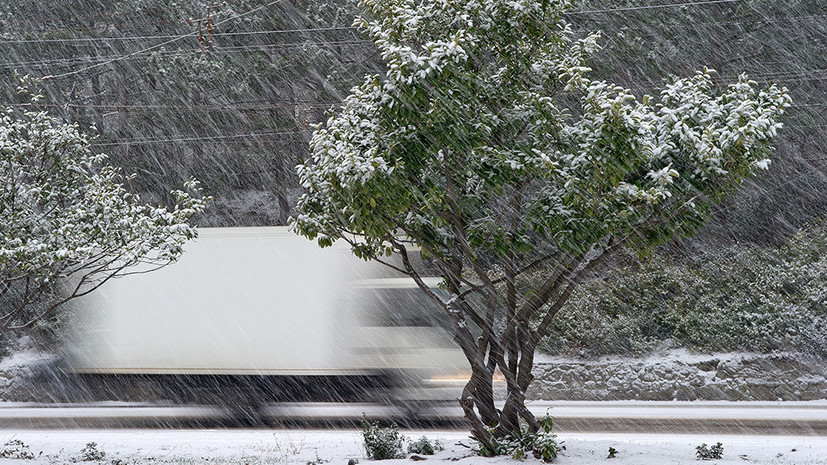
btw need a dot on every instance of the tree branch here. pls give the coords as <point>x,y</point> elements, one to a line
<point>573,282</point>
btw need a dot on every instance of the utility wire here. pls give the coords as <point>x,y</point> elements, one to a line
<point>134,55</point>
<point>748,20</point>
<point>174,37</point>
<point>651,7</point>
<point>241,15</point>
<point>787,76</point>
<point>814,75</point>
<point>233,106</point>
<point>199,138</point>
<point>761,20</point>
<point>270,134</point>
<point>231,49</point>
<point>177,53</point>
<point>608,10</point>
<point>108,15</point>
<point>340,28</point>
<point>228,107</point>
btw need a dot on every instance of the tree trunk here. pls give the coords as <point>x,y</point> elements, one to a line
<point>479,393</point>
<point>488,425</point>
<point>514,410</point>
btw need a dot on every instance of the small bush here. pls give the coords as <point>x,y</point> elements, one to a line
<point>382,443</point>
<point>424,446</point>
<point>91,453</point>
<point>16,449</point>
<point>612,453</point>
<point>318,461</point>
<point>715,452</point>
<point>541,445</point>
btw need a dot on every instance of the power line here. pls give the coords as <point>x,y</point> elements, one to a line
<point>320,29</point>
<point>353,29</point>
<point>793,78</point>
<point>109,15</point>
<point>237,49</point>
<point>134,55</point>
<point>174,37</point>
<point>795,75</point>
<point>192,139</point>
<point>651,7</point>
<point>282,133</point>
<point>240,107</point>
<point>229,107</point>
<point>178,53</point>
<point>241,15</point>
<point>608,10</point>
<point>796,72</point>
<point>760,78</point>
<point>750,21</point>
<point>814,75</point>
<point>270,134</point>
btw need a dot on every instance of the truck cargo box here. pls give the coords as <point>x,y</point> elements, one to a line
<point>264,302</point>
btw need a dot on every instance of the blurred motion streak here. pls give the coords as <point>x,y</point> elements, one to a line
<point>253,316</point>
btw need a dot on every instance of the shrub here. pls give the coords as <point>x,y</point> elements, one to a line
<point>382,443</point>
<point>424,446</point>
<point>16,449</point>
<point>541,445</point>
<point>318,461</point>
<point>715,452</point>
<point>91,453</point>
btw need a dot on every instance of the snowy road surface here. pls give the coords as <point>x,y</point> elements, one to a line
<point>252,447</point>
<point>777,418</point>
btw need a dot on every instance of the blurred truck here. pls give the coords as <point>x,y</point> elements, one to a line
<point>260,315</point>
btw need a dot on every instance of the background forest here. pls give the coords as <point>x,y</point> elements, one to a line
<point>229,92</point>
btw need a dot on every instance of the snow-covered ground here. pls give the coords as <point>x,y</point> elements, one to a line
<point>251,447</point>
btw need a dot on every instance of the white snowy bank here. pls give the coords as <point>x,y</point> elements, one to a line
<point>252,447</point>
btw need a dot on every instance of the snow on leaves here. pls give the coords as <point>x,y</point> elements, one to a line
<point>64,213</point>
<point>482,86</point>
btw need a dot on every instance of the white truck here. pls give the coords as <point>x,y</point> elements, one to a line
<point>263,313</point>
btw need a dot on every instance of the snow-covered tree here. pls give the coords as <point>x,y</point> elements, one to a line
<point>67,224</point>
<point>487,146</point>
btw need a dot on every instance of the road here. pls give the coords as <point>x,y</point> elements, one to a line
<point>767,418</point>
